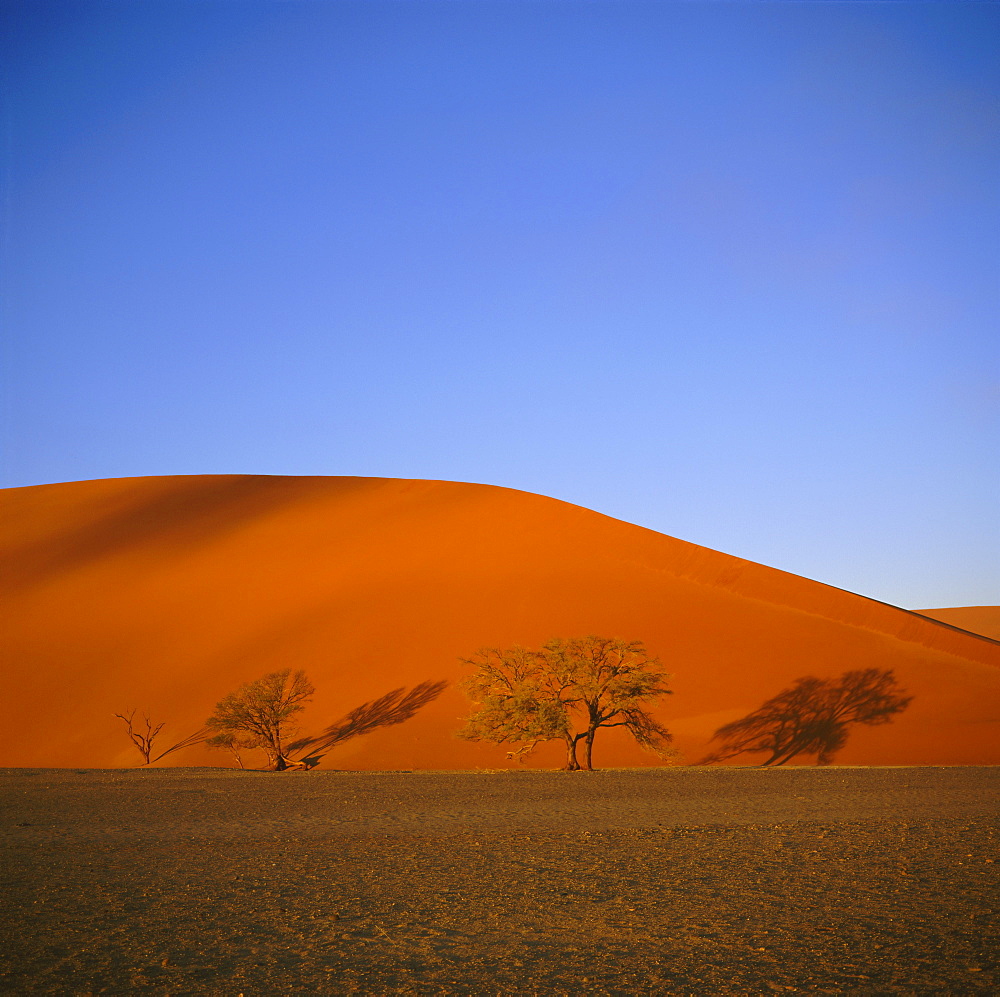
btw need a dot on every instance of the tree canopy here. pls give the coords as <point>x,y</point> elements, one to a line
<point>812,717</point>
<point>567,690</point>
<point>260,713</point>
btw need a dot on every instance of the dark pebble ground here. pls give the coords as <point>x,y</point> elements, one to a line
<point>655,881</point>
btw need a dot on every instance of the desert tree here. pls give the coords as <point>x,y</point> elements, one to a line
<point>143,735</point>
<point>519,701</point>
<point>567,690</point>
<point>812,717</point>
<point>262,714</point>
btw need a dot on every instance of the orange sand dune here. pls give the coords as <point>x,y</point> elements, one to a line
<point>982,620</point>
<point>166,593</point>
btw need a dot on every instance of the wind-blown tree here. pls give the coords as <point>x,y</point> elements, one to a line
<point>812,717</point>
<point>261,714</point>
<point>567,690</point>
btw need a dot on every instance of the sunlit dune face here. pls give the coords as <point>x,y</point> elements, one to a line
<point>983,620</point>
<point>166,593</point>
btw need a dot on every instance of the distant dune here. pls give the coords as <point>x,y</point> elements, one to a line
<point>166,593</point>
<point>983,620</point>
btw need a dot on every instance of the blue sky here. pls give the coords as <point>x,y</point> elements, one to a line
<point>727,271</point>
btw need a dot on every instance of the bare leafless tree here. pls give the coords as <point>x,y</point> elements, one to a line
<point>143,736</point>
<point>142,739</point>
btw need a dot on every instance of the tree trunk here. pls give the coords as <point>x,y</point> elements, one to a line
<point>588,762</point>
<point>572,765</point>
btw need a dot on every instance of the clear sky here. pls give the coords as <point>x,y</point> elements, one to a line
<point>727,271</point>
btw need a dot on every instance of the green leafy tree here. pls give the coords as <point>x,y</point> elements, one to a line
<point>567,690</point>
<point>262,714</point>
<point>812,717</point>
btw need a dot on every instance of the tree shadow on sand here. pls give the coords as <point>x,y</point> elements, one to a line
<point>394,707</point>
<point>812,717</point>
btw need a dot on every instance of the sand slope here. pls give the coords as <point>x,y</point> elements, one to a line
<point>165,593</point>
<point>983,620</point>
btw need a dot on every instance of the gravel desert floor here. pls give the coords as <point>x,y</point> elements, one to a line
<point>645,881</point>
